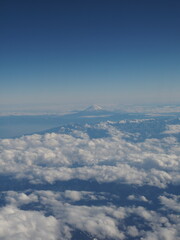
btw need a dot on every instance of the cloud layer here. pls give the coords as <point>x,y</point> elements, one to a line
<point>112,159</point>
<point>26,225</point>
<point>102,222</point>
<point>51,157</point>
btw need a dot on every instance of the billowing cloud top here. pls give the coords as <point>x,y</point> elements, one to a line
<point>51,157</point>
<point>47,211</point>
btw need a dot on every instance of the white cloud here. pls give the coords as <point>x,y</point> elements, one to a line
<point>98,221</point>
<point>51,157</point>
<point>171,201</point>
<point>132,231</point>
<point>137,198</point>
<point>169,233</point>
<point>15,198</point>
<point>73,195</point>
<point>101,222</point>
<point>26,225</point>
<point>173,129</point>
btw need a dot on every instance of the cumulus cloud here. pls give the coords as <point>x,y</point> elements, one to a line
<point>52,156</point>
<point>101,222</point>
<point>55,215</point>
<point>172,129</point>
<point>137,198</point>
<point>15,198</point>
<point>132,231</point>
<point>26,225</point>
<point>171,202</point>
<point>169,233</point>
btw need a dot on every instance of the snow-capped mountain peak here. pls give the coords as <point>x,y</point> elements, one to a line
<point>94,108</point>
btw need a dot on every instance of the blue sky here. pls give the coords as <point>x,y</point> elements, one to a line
<point>90,51</point>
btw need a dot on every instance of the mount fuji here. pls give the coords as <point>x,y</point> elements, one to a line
<point>94,111</point>
<point>93,108</point>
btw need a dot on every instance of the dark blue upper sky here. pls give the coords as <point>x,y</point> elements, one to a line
<point>63,52</point>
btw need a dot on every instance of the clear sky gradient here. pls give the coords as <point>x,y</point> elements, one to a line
<point>89,51</point>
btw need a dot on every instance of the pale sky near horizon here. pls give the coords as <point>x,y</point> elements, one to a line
<point>84,52</point>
